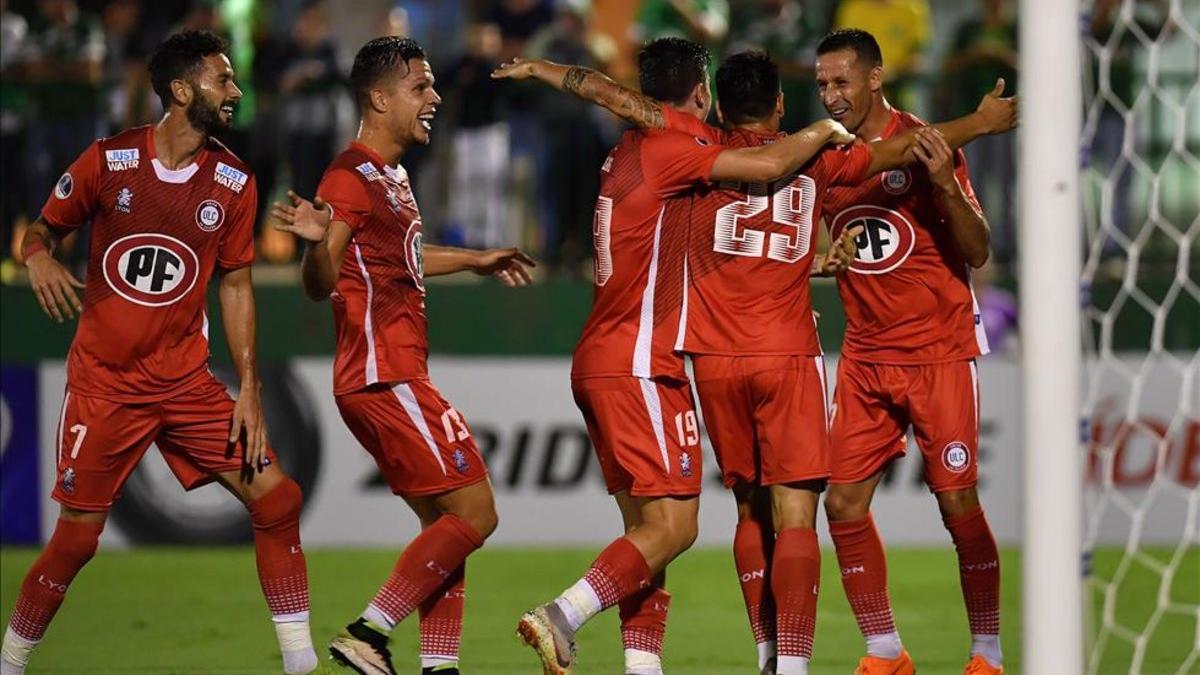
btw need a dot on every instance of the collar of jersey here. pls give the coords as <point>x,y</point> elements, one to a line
<point>396,173</point>
<point>178,176</point>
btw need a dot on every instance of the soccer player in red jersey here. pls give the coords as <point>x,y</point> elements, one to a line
<point>365,253</point>
<point>169,205</point>
<point>627,377</point>
<point>750,328</point>
<point>912,336</point>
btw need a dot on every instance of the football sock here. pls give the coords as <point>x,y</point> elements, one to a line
<point>283,574</point>
<point>620,570</point>
<point>441,617</point>
<point>753,545</point>
<point>70,547</point>
<point>643,625</point>
<point>14,654</point>
<point>425,566</point>
<point>795,581</point>
<point>979,573</point>
<point>864,577</point>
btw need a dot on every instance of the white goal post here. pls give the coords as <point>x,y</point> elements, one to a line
<point>1050,241</point>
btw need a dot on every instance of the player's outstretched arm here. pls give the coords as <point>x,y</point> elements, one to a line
<point>589,85</point>
<point>509,265</point>
<point>768,162</point>
<point>325,238</point>
<point>236,295</point>
<point>995,115</point>
<point>968,227</point>
<point>53,284</point>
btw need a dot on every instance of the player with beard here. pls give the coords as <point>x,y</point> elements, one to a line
<point>365,254</point>
<point>170,205</point>
<point>749,326</point>
<point>913,332</point>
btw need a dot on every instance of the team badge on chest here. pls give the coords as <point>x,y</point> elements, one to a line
<point>896,181</point>
<point>124,200</point>
<point>209,215</point>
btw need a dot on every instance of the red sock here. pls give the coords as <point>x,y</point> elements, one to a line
<point>753,545</point>
<point>620,570</point>
<point>795,581</point>
<point>70,547</point>
<point>282,572</point>
<point>978,570</point>
<point>441,618</point>
<point>425,566</point>
<point>644,619</point>
<point>864,574</point>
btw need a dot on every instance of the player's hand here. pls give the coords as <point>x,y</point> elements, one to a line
<point>933,151</point>
<point>837,134</point>
<point>998,114</point>
<point>248,416</point>
<point>509,265</point>
<point>54,286</point>
<point>305,219</point>
<point>517,69</point>
<point>839,256</point>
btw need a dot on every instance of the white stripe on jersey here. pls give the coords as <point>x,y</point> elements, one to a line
<point>408,399</point>
<point>645,334</point>
<point>654,409</point>
<point>683,310</point>
<point>372,369</point>
<point>975,390</point>
<point>981,340</point>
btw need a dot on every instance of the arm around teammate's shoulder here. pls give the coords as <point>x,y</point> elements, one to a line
<point>767,162</point>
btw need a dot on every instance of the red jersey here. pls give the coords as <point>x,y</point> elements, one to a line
<point>750,252</point>
<point>379,299</point>
<point>907,295</point>
<point>640,235</point>
<point>157,235</point>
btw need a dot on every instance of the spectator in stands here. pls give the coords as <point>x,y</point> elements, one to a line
<point>475,103</point>
<point>573,137</point>
<point>14,103</point>
<point>984,49</point>
<point>704,21</point>
<point>65,74</point>
<point>518,21</point>
<point>1115,95</point>
<point>788,30</point>
<point>902,28</point>
<point>310,87</point>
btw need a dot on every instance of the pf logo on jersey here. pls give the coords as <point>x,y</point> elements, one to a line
<point>152,270</point>
<point>886,241</point>
<point>956,457</point>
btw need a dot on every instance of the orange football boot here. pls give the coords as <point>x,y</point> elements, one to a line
<point>979,666</point>
<point>873,665</point>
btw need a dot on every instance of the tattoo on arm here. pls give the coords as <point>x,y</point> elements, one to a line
<point>625,103</point>
<point>575,77</point>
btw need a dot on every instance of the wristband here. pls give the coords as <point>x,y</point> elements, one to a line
<point>30,250</point>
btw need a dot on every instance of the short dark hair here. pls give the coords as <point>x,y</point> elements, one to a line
<point>669,68</point>
<point>747,87</point>
<point>178,57</point>
<point>863,43</point>
<point>377,59</point>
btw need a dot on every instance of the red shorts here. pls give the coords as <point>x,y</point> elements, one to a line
<point>766,417</point>
<point>420,442</point>
<point>875,404</point>
<point>100,442</point>
<point>645,434</point>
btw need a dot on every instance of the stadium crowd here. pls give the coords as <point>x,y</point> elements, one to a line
<point>74,70</point>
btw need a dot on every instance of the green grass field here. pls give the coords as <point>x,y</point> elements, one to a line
<point>199,611</point>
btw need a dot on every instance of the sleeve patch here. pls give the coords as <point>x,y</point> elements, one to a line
<point>230,177</point>
<point>64,186</point>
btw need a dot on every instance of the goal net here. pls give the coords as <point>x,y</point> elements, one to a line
<point>1140,189</point>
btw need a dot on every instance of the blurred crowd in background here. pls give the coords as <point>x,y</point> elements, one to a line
<point>511,162</point>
